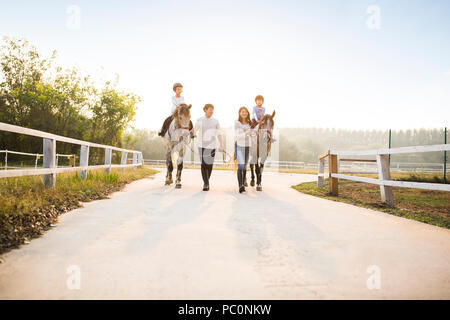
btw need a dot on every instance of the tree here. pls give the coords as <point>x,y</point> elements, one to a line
<point>37,95</point>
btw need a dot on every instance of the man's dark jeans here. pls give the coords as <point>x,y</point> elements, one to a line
<point>207,160</point>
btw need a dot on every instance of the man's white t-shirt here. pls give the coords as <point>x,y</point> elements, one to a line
<point>208,129</point>
<point>176,102</point>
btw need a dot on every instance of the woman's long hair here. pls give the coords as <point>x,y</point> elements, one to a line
<point>240,119</point>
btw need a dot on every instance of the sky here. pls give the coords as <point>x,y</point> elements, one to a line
<point>352,64</point>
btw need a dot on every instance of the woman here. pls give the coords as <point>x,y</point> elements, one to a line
<point>242,132</point>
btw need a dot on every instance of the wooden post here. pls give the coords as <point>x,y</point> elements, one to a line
<point>108,160</point>
<point>73,160</point>
<point>49,151</point>
<point>123,160</point>
<point>135,160</point>
<point>333,168</point>
<point>321,177</point>
<point>384,173</point>
<point>84,161</point>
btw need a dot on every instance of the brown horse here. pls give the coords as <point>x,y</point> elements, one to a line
<point>260,148</point>
<point>177,138</point>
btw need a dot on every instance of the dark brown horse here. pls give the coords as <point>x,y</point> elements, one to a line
<point>260,148</point>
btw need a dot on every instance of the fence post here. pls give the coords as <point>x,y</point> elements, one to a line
<point>141,159</point>
<point>108,159</point>
<point>445,157</point>
<point>123,160</point>
<point>333,168</point>
<point>320,176</point>
<point>390,144</point>
<point>84,161</point>
<point>384,173</point>
<point>135,160</point>
<point>73,160</point>
<point>49,161</point>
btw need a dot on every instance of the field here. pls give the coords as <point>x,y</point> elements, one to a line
<point>427,206</point>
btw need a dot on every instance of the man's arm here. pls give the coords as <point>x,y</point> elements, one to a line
<point>197,126</point>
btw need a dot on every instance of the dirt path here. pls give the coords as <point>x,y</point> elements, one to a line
<point>155,242</point>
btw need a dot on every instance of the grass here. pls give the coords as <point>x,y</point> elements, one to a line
<point>428,206</point>
<point>27,208</point>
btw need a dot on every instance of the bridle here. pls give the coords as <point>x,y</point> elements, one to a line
<point>269,136</point>
<point>269,131</point>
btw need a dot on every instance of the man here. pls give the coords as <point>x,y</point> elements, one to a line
<point>208,130</point>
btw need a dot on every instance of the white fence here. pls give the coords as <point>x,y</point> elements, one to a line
<point>383,170</point>
<point>219,163</point>
<point>36,156</point>
<point>50,168</point>
<point>349,166</point>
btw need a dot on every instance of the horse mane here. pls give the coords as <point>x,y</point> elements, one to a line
<point>263,119</point>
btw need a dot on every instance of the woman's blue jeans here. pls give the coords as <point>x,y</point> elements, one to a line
<point>242,154</point>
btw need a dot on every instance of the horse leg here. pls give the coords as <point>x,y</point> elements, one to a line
<point>179,169</point>
<point>260,168</point>
<point>244,173</point>
<point>169,167</point>
<point>178,180</point>
<point>252,170</point>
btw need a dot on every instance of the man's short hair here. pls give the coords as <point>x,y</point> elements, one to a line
<point>207,106</point>
<point>176,85</point>
<point>259,97</point>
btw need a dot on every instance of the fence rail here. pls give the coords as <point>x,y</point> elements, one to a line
<point>49,155</point>
<point>383,166</point>
<point>352,166</point>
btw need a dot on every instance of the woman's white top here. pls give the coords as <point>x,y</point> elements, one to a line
<point>208,130</point>
<point>242,133</point>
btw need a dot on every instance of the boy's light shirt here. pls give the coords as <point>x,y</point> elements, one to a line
<point>176,102</point>
<point>258,111</point>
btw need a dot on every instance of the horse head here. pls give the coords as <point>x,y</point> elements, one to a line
<point>267,122</point>
<point>265,129</point>
<point>182,116</point>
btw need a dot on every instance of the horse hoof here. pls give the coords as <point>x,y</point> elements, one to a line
<point>252,183</point>
<point>178,186</point>
<point>258,188</point>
